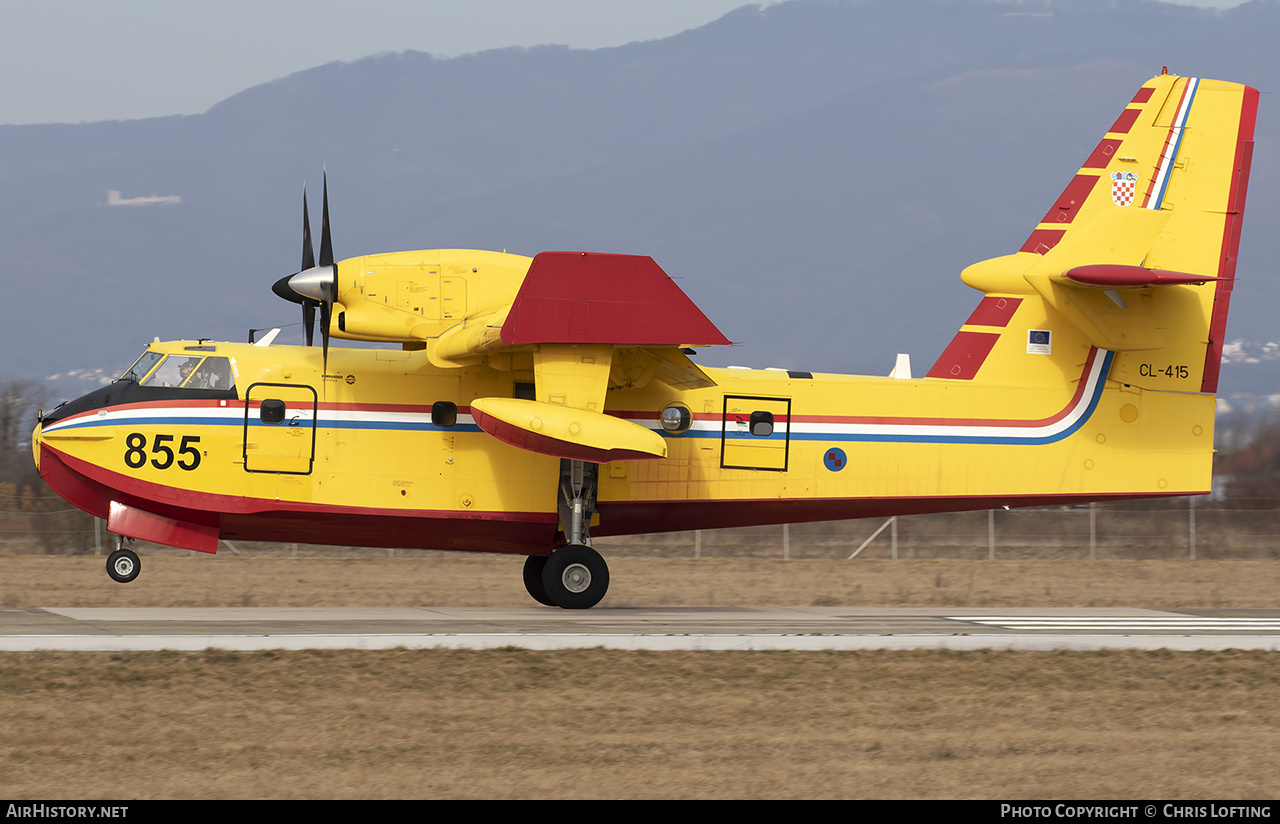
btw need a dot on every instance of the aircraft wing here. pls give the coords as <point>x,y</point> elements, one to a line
<point>591,322</point>
<point>584,298</point>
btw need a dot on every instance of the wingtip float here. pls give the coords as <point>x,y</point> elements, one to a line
<point>534,402</point>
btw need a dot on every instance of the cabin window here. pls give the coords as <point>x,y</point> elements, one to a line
<point>762,424</point>
<point>444,413</point>
<point>676,419</point>
<point>272,411</point>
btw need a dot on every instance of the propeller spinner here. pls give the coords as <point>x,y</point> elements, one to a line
<point>314,286</point>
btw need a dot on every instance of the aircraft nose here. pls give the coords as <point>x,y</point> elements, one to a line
<point>35,444</point>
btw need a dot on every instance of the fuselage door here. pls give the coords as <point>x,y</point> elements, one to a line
<point>756,433</point>
<point>280,428</point>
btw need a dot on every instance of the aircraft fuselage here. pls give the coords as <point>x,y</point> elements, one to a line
<point>382,450</point>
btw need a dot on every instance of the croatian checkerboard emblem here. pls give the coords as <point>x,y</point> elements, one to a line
<point>1123,187</point>
<point>834,459</point>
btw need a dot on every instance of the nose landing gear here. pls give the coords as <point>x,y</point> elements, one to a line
<point>123,564</point>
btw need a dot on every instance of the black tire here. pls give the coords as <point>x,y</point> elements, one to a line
<point>575,577</point>
<point>123,565</point>
<point>533,566</point>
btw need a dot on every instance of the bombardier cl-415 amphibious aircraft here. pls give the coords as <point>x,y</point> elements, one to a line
<point>534,402</point>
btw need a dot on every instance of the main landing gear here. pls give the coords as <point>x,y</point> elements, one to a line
<point>123,564</point>
<point>574,576</point>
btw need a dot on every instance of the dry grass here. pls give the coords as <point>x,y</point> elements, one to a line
<point>482,580</point>
<point>616,724</point>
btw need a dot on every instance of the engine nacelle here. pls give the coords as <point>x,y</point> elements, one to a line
<point>410,297</point>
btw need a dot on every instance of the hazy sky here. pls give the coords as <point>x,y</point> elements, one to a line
<point>66,61</point>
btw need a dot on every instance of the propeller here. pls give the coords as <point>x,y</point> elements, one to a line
<point>313,286</point>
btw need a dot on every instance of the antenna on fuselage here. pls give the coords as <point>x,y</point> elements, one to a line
<point>266,339</point>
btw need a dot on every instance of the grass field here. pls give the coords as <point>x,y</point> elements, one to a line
<point>494,580</point>
<point>599,723</point>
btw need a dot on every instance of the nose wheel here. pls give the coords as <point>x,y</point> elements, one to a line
<point>123,564</point>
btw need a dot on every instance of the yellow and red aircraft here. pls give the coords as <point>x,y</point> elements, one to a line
<point>532,402</point>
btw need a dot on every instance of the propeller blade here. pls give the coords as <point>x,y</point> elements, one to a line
<point>314,285</point>
<point>325,308</point>
<point>326,242</point>
<point>309,320</point>
<point>308,257</point>
<point>330,286</point>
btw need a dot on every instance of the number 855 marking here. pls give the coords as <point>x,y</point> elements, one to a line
<point>135,456</point>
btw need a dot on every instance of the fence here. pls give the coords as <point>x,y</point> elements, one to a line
<point>1184,528</point>
<point>1189,528</point>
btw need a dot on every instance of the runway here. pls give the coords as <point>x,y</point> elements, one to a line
<point>693,628</point>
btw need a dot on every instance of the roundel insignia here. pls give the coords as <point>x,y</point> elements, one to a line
<point>834,459</point>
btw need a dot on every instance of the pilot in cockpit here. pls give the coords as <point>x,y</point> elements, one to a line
<point>217,378</point>
<point>184,370</point>
<point>210,375</point>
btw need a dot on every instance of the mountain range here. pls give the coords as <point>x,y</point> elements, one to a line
<point>814,174</point>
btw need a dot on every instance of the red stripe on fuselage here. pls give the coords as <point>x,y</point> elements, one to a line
<point>1076,398</point>
<point>1169,139</point>
<point>1082,384</point>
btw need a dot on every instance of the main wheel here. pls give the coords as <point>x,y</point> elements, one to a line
<point>123,565</point>
<point>533,566</point>
<point>575,577</point>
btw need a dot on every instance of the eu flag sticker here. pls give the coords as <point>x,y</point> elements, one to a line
<point>834,459</point>
<point>1038,342</point>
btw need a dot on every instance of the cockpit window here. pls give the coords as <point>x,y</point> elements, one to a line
<point>141,367</point>
<point>212,373</point>
<point>193,372</point>
<point>174,370</point>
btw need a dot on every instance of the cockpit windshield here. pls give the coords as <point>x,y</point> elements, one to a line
<point>192,372</point>
<point>141,367</point>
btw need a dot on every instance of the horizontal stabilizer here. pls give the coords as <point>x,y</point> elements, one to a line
<point>566,432</point>
<point>1118,276</point>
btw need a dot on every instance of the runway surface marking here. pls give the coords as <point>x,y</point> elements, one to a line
<point>690,628</point>
<point>1164,622</point>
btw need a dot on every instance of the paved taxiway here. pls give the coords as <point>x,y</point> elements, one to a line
<point>692,628</point>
